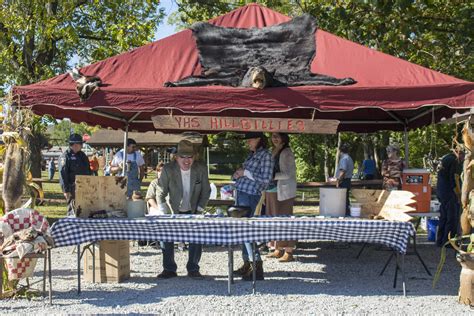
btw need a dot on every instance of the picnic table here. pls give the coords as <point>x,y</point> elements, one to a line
<point>213,230</point>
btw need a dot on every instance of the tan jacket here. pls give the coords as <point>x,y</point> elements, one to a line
<point>286,178</point>
<point>170,184</point>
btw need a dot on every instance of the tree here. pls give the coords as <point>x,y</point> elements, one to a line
<point>436,34</point>
<point>59,133</point>
<point>39,38</point>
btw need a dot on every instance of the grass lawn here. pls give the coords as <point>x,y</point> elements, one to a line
<point>55,205</point>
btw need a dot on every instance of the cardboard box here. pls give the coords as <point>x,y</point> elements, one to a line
<point>112,262</point>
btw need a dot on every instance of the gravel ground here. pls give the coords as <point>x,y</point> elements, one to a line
<point>325,278</point>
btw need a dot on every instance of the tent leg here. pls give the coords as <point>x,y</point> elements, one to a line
<point>124,162</point>
<point>406,146</point>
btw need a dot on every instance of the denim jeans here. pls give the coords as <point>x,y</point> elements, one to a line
<point>194,256</point>
<point>250,200</point>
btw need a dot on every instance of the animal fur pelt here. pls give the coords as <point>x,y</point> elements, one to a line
<point>13,175</point>
<point>285,51</point>
<point>85,85</point>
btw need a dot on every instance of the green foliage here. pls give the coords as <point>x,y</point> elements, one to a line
<point>59,132</point>
<point>38,38</point>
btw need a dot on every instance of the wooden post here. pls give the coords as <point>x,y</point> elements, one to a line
<point>466,287</point>
<point>467,181</point>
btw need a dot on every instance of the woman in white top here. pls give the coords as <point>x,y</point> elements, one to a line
<point>281,193</point>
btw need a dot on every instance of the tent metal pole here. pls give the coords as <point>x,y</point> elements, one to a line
<point>124,162</point>
<point>208,166</point>
<point>406,145</point>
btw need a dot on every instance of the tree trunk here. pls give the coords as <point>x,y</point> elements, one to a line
<point>326,158</point>
<point>337,153</point>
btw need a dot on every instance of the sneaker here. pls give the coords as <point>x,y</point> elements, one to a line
<point>167,275</point>
<point>196,275</point>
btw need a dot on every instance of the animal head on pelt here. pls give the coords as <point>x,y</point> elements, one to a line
<point>85,85</point>
<point>258,78</point>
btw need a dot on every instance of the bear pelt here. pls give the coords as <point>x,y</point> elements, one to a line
<point>282,54</point>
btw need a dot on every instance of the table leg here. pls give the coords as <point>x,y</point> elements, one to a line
<point>361,249</point>
<point>254,270</point>
<point>419,257</point>
<point>386,264</point>
<point>402,268</point>
<point>229,266</point>
<point>50,281</point>
<point>396,272</point>
<point>93,262</point>
<point>78,269</point>
<point>45,271</point>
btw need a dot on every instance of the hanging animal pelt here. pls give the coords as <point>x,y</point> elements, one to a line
<point>13,173</point>
<point>274,56</point>
<point>85,85</point>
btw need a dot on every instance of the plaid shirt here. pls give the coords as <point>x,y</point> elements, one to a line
<point>260,165</point>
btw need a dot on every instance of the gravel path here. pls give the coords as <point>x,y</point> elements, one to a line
<point>326,278</point>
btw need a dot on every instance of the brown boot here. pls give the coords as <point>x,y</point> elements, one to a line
<point>287,257</point>
<point>245,268</point>
<point>259,272</point>
<point>278,253</point>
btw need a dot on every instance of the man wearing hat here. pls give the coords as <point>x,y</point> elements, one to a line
<point>135,166</point>
<point>392,169</point>
<point>185,182</point>
<point>73,162</point>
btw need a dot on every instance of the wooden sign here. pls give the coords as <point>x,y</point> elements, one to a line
<point>244,124</point>
<point>391,205</point>
<point>100,193</point>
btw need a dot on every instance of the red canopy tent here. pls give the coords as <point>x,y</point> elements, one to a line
<point>390,93</point>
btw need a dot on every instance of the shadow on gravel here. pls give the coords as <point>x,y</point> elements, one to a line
<point>320,268</point>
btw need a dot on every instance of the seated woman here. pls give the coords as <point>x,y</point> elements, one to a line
<point>152,205</point>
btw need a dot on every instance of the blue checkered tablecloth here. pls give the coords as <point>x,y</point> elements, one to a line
<point>231,231</point>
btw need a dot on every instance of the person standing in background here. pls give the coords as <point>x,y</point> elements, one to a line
<point>135,166</point>
<point>94,163</point>
<point>344,173</point>
<point>280,194</point>
<point>368,168</point>
<point>73,162</point>
<point>448,191</point>
<point>51,169</point>
<point>392,169</point>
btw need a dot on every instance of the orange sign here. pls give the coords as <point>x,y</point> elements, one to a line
<point>244,124</point>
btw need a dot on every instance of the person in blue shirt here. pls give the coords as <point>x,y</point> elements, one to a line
<point>447,185</point>
<point>251,180</point>
<point>368,168</point>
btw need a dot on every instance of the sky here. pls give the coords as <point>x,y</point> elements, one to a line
<point>164,29</point>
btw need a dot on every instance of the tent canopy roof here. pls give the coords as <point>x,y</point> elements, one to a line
<point>390,93</point>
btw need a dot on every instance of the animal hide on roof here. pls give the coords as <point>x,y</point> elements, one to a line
<point>286,50</point>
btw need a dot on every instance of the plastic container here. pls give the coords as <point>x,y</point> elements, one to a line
<point>355,210</point>
<point>213,195</point>
<point>135,208</point>
<point>432,228</point>
<point>332,202</point>
<point>435,205</point>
